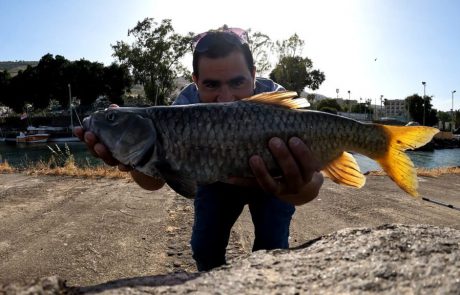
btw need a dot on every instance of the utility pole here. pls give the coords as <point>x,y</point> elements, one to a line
<point>349,101</point>
<point>424,101</point>
<point>453,118</point>
<point>381,108</point>
<point>70,107</point>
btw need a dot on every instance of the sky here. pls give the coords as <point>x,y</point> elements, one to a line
<point>368,47</point>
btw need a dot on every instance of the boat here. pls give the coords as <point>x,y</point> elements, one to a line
<point>32,138</point>
<point>54,134</point>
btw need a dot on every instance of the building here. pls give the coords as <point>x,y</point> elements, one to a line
<point>396,108</point>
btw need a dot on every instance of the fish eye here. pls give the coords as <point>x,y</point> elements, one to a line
<point>110,116</point>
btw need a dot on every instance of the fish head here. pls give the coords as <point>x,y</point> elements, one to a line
<point>128,133</point>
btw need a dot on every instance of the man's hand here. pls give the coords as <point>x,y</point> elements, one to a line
<point>100,151</point>
<point>95,147</point>
<point>301,179</point>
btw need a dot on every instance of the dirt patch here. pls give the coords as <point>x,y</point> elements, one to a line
<point>90,231</point>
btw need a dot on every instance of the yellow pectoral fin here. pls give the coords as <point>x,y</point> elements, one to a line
<point>345,170</point>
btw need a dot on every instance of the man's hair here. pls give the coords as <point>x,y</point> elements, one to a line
<point>219,46</point>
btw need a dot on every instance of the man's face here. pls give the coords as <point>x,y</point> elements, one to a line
<point>224,79</point>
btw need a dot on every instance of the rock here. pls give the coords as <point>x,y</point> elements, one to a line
<point>402,259</point>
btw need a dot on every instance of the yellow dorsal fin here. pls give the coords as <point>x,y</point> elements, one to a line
<point>280,98</point>
<point>345,170</point>
<point>395,162</point>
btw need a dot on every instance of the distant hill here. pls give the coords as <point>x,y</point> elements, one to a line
<point>13,67</point>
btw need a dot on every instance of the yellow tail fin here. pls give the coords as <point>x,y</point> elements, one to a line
<point>395,162</point>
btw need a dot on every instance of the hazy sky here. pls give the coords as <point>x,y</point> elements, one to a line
<point>412,40</point>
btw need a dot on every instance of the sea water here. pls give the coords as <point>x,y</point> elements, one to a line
<point>21,155</point>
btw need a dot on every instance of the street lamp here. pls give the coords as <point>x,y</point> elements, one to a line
<point>381,111</point>
<point>424,102</point>
<point>337,91</point>
<point>70,106</point>
<point>349,102</point>
<point>453,118</point>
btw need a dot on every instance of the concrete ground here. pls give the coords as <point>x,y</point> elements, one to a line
<point>90,231</point>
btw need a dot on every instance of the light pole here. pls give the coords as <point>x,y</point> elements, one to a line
<point>453,118</point>
<point>337,91</point>
<point>381,100</point>
<point>375,109</point>
<point>70,106</point>
<point>349,101</point>
<point>424,101</point>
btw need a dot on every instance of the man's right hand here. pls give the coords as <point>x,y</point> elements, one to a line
<point>99,150</point>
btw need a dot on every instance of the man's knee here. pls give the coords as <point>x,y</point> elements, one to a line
<point>208,254</point>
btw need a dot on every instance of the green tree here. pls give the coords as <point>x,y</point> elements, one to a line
<point>116,80</point>
<point>457,118</point>
<point>329,105</point>
<point>293,71</point>
<point>86,80</point>
<point>261,46</point>
<point>444,116</point>
<point>290,47</point>
<point>359,108</point>
<point>4,83</point>
<point>154,57</point>
<point>22,89</point>
<point>416,106</point>
<point>51,80</point>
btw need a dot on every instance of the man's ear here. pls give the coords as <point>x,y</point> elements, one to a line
<point>194,78</point>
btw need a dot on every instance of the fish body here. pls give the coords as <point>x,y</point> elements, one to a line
<point>204,143</point>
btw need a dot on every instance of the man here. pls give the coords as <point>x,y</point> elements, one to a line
<point>224,71</point>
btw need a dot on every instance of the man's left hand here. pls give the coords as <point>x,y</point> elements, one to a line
<point>301,179</point>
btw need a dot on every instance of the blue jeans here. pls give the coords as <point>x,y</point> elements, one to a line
<point>217,207</point>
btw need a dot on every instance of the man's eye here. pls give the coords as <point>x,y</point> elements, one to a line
<point>237,83</point>
<point>211,85</point>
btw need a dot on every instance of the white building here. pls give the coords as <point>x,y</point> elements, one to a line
<point>396,108</point>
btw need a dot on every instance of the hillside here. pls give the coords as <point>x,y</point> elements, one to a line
<point>13,67</point>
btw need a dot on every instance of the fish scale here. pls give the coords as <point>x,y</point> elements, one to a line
<point>244,130</point>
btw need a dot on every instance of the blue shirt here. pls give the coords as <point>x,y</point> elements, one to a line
<point>190,93</point>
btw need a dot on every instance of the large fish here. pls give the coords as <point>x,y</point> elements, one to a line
<point>203,143</point>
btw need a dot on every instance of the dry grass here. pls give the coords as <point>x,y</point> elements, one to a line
<point>62,163</point>
<point>428,172</point>
<point>5,167</point>
<point>70,169</point>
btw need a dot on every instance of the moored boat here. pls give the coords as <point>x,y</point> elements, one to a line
<point>32,138</point>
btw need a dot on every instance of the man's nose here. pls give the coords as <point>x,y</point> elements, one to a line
<point>225,95</point>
